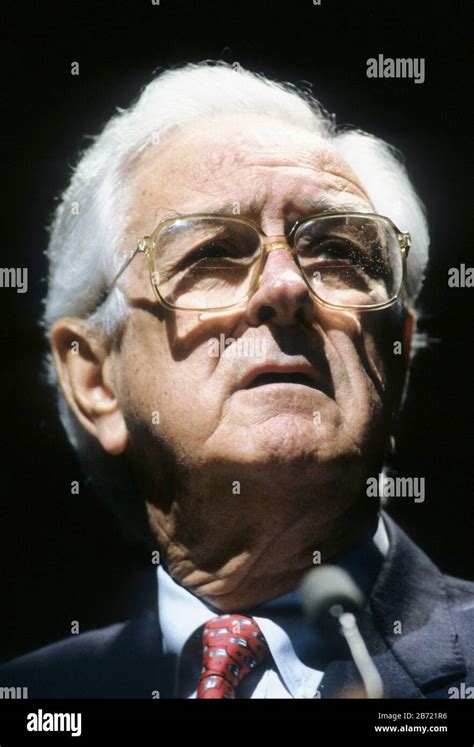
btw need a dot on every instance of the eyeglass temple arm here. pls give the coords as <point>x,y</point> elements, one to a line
<point>140,247</point>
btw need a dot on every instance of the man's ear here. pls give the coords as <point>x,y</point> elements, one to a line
<point>84,368</point>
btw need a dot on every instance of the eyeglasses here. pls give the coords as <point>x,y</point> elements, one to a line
<point>208,263</point>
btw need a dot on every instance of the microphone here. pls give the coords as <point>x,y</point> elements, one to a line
<point>332,601</point>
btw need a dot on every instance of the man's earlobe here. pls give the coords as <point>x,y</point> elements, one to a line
<point>84,368</point>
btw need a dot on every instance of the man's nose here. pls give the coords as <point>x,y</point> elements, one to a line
<point>282,295</point>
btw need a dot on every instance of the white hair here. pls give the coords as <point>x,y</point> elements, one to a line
<point>86,234</point>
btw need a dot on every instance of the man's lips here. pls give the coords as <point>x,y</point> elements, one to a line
<point>279,378</point>
<point>302,374</point>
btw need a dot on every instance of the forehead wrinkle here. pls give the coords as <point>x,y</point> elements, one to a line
<point>224,163</point>
<point>240,151</point>
<point>255,193</point>
<point>337,181</point>
<point>329,180</point>
<point>215,166</point>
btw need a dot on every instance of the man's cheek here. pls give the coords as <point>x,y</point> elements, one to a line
<point>188,398</point>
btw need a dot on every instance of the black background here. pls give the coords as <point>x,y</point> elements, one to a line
<point>62,556</point>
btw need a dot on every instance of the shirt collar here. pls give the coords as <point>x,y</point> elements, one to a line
<point>289,636</point>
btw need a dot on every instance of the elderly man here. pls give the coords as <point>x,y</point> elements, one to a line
<point>230,311</point>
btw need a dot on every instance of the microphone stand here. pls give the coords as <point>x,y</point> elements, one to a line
<point>365,666</point>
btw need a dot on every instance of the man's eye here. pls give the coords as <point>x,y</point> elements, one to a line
<point>337,250</point>
<point>214,250</point>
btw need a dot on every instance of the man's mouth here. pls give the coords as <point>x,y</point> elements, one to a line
<point>282,378</point>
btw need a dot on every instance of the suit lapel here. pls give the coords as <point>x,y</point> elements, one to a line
<point>148,670</point>
<point>412,611</point>
<point>407,627</point>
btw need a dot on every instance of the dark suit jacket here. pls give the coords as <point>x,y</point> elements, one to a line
<point>418,626</point>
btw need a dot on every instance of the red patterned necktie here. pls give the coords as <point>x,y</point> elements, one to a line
<point>232,646</point>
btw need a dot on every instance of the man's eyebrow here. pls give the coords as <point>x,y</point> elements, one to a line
<point>236,208</point>
<point>231,209</point>
<point>299,209</point>
<point>305,207</point>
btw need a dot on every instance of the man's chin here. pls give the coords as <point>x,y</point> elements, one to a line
<point>285,445</point>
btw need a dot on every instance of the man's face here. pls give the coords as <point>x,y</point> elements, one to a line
<point>248,462</point>
<point>212,412</point>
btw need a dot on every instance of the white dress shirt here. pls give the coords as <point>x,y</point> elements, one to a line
<point>290,671</point>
